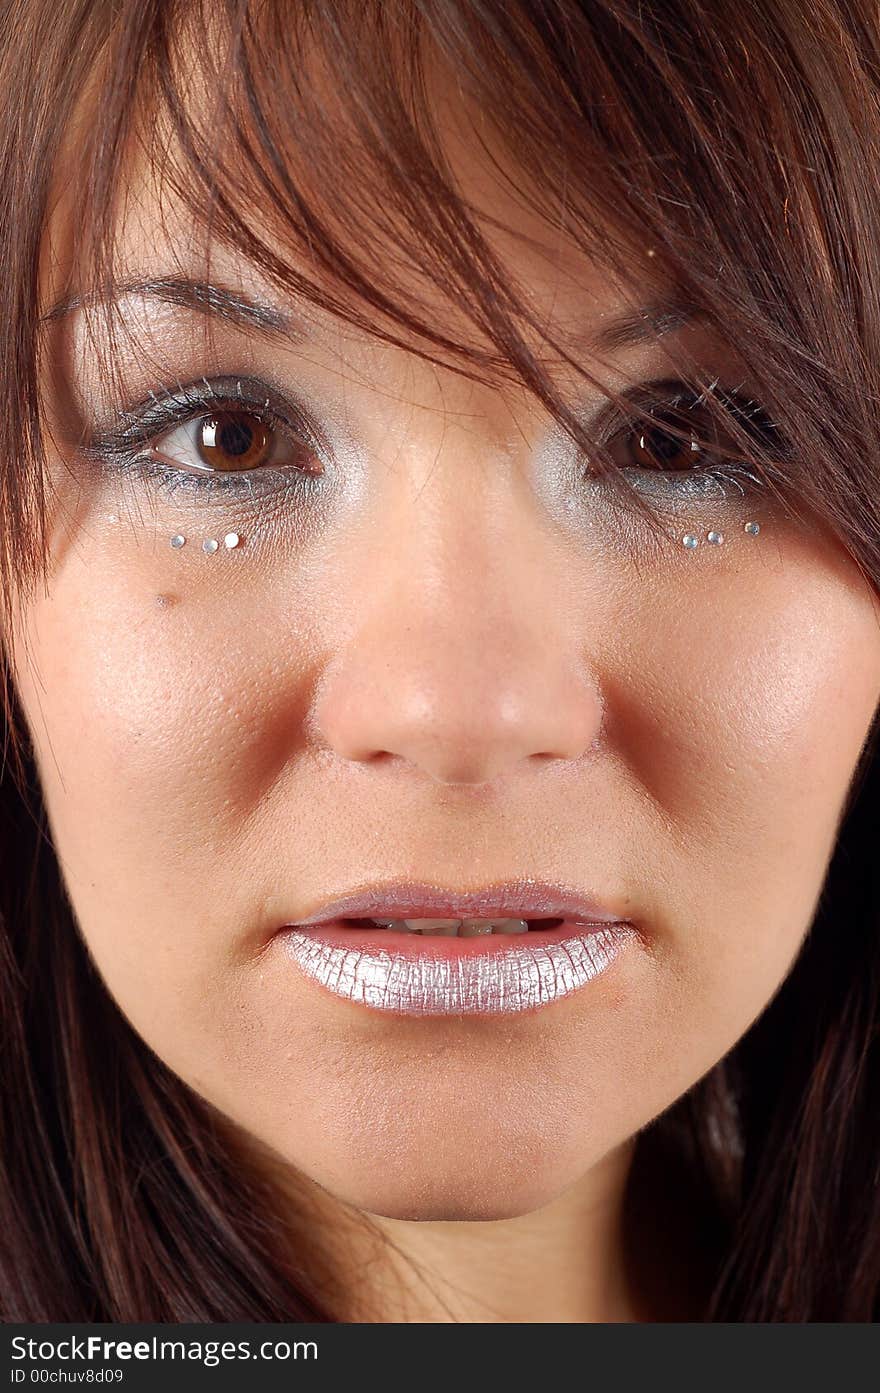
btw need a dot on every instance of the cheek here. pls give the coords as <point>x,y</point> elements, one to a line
<point>169,735</point>
<point>743,721</point>
<point>159,737</point>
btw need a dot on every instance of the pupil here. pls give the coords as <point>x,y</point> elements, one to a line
<point>235,437</point>
<point>662,446</point>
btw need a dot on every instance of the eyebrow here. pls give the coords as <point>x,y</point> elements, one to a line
<point>631,328</point>
<point>628,329</point>
<point>217,301</point>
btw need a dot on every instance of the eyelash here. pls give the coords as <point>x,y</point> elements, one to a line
<point>698,482</point>
<point>118,449</point>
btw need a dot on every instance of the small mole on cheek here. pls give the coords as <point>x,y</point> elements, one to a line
<point>166,601</point>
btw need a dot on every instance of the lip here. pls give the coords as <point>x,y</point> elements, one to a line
<point>498,974</point>
<point>495,974</point>
<point>524,898</point>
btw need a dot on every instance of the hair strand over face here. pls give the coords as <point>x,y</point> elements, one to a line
<point>733,144</point>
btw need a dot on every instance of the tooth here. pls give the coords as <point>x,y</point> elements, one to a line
<point>450,928</point>
<point>498,926</point>
<point>445,928</point>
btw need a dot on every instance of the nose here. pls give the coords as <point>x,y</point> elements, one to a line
<point>461,661</point>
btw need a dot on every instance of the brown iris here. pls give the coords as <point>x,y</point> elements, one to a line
<point>230,440</point>
<point>659,449</point>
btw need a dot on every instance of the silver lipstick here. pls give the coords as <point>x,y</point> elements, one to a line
<point>460,976</point>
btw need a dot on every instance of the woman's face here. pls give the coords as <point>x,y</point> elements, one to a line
<point>446,659</point>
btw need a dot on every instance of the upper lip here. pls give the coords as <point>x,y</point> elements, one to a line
<point>513,899</point>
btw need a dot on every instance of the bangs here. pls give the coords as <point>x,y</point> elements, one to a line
<point>705,162</point>
<point>313,140</point>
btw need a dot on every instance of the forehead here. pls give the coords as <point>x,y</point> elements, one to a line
<point>169,281</point>
<point>159,235</point>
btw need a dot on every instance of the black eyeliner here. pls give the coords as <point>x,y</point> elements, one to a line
<point>125,448</point>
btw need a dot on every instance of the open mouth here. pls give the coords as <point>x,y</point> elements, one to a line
<point>455,928</point>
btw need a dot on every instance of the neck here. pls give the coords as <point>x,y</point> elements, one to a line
<point>622,1245</point>
<point>561,1263</point>
<point>566,1262</point>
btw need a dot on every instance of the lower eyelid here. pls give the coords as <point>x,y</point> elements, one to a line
<point>698,486</point>
<point>242,488</point>
<point>726,484</point>
<point>258,486</point>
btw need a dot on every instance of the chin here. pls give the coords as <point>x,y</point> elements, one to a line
<point>458,1182</point>
<point>440,1154</point>
<point>438,1197</point>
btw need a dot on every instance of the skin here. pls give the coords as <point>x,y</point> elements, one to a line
<point>453,663</point>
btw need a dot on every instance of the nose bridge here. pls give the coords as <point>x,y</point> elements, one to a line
<point>456,588</point>
<point>457,660</point>
<point>459,554</point>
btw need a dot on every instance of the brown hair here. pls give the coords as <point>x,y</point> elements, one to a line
<point>724,153</point>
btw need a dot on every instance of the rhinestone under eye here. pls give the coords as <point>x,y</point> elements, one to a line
<point>210,544</point>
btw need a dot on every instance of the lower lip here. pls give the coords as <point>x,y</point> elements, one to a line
<point>490,974</point>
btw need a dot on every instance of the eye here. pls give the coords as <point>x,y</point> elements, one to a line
<point>234,439</point>
<point>653,447</point>
<point>683,436</point>
<point>231,439</point>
